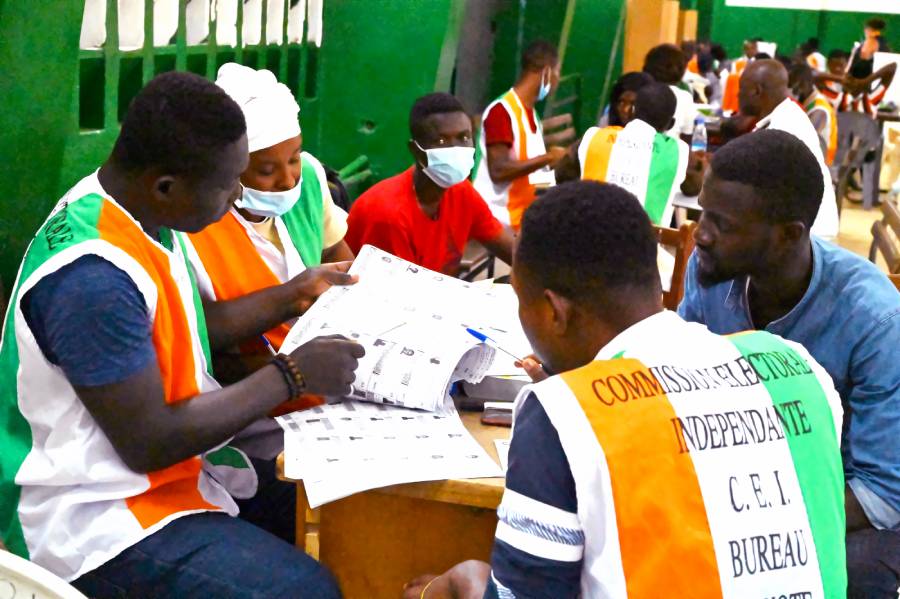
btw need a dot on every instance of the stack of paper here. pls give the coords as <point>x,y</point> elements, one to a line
<point>412,322</point>
<point>342,449</point>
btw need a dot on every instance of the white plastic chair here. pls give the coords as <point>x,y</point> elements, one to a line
<point>21,578</point>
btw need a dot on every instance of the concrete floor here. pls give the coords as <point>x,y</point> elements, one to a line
<point>856,229</point>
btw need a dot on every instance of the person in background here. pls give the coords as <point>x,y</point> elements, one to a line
<point>283,225</point>
<point>764,95</point>
<point>821,113</point>
<point>862,58</point>
<point>608,479</point>
<point>429,212</point>
<point>666,64</point>
<point>756,266</point>
<point>621,100</point>
<point>732,82</point>
<point>809,52</point>
<point>115,473</point>
<point>512,159</point>
<point>640,157</point>
<point>847,93</point>
<point>837,62</point>
<point>690,49</point>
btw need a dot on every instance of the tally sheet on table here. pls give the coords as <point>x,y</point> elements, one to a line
<point>345,448</point>
<point>412,322</point>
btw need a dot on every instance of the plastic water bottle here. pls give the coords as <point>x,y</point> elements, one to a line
<point>698,140</point>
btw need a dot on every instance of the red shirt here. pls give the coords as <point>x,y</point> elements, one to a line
<point>498,126</point>
<point>389,217</point>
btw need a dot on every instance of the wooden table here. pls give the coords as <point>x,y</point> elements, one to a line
<point>376,541</point>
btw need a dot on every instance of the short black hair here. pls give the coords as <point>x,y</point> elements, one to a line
<point>718,52</point>
<point>783,171</point>
<point>629,82</point>
<point>538,55</point>
<point>838,54</point>
<point>589,242</point>
<point>659,60</point>
<point>762,56</point>
<point>427,105</point>
<point>655,105</point>
<point>809,46</point>
<point>876,24</point>
<point>179,122</point>
<point>800,72</point>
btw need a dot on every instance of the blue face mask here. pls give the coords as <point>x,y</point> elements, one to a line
<point>269,204</point>
<point>448,166</point>
<point>545,88</point>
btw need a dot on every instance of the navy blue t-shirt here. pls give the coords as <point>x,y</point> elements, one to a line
<point>90,319</point>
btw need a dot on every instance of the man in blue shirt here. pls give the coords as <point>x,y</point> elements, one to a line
<point>757,267</point>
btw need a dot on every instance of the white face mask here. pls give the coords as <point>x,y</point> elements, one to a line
<point>448,166</point>
<point>269,203</point>
<point>544,91</point>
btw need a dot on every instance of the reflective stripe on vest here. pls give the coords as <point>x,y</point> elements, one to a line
<point>639,159</point>
<point>29,384</point>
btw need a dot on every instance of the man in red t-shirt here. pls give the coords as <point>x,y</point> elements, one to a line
<point>429,212</point>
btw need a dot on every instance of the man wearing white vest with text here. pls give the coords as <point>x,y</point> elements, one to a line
<point>660,459</point>
<point>512,158</point>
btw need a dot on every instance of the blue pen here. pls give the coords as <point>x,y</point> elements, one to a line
<point>268,345</point>
<point>484,339</point>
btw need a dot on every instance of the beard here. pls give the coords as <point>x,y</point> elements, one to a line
<point>711,272</point>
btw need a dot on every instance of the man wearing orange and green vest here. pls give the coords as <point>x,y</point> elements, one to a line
<point>820,111</point>
<point>641,158</point>
<point>659,459</point>
<point>115,473</point>
<point>284,222</point>
<point>513,160</point>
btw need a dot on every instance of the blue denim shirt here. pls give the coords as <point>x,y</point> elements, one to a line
<point>849,320</point>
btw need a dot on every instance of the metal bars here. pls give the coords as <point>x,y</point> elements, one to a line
<point>111,76</point>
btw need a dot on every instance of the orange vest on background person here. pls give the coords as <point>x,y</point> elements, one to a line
<point>733,84</point>
<point>820,102</point>
<point>235,269</point>
<point>693,65</point>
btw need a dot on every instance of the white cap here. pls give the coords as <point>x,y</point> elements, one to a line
<point>269,107</point>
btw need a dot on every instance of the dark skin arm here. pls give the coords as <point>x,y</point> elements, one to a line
<point>698,162</point>
<point>230,322</point>
<point>856,517</point>
<point>502,246</point>
<point>504,168</point>
<point>149,434</point>
<point>467,580</point>
<point>339,252</point>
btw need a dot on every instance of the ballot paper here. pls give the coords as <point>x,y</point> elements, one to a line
<point>345,448</point>
<point>412,322</point>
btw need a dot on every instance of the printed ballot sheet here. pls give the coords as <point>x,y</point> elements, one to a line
<point>412,322</point>
<point>345,448</point>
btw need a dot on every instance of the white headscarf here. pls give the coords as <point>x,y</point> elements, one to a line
<point>271,112</point>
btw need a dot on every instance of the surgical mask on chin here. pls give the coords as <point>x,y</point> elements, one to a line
<point>448,166</point>
<point>269,204</point>
<point>545,89</point>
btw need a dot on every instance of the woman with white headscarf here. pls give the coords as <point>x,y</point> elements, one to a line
<point>285,221</point>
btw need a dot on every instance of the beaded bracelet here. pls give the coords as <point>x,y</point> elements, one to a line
<point>291,372</point>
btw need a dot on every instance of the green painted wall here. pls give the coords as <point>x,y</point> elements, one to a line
<point>788,28</point>
<point>588,52</point>
<point>39,66</point>
<point>62,106</point>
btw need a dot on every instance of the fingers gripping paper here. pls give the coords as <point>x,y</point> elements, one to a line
<point>412,323</point>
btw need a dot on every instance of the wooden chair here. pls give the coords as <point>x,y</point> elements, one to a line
<point>895,279</point>
<point>885,235</point>
<point>682,241</point>
<point>845,170</point>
